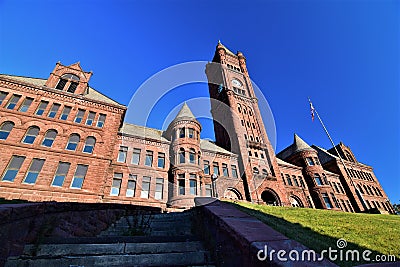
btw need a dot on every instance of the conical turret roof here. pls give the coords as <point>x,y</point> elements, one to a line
<point>185,113</point>
<point>299,144</point>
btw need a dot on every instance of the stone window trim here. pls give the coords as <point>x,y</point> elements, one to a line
<point>30,135</point>
<point>49,138</point>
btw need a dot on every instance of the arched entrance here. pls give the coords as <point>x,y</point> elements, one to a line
<point>295,202</point>
<point>270,197</point>
<point>232,193</point>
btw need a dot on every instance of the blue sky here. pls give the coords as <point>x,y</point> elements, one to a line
<point>343,54</point>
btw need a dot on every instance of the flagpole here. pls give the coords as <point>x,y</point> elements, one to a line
<point>337,152</point>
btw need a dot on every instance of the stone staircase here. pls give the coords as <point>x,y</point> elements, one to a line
<point>142,240</point>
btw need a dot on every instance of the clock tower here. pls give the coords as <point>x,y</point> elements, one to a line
<point>238,125</point>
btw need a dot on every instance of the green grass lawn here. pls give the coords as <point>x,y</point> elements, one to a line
<point>320,229</point>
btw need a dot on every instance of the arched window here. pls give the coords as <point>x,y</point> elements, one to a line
<point>31,135</point>
<point>257,139</point>
<point>5,129</point>
<point>49,138</point>
<point>250,113</point>
<point>240,109</point>
<point>73,82</point>
<point>89,145</point>
<point>181,155</point>
<point>251,138</point>
<point>182,133</point>
<point>244,110</point>
<point>192,156</point>
<point>255,171</point>
<point>73,142</point>
<point>264,172</point>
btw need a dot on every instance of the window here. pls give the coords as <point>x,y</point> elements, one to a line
<point>234,171</point>
<point>61,84</point>
<point>159,188</point>
<point>79,116</point>
<point>317,179</point>
<point>72,87</point>
<point>149,158</point>
<point>242,122</point>
<point>181,184</point>
<point>316,161</point>
<point>12,169</point>
<point>336,187</point>
<point>79,176</point>
<point>101,120</point>
<point>2,97</point>
<point>13,101</point>
<point>89,145</point>
<point>161,160</point>
<point>53,110</point>
<point>324,178</point>
<point>296,183</point>
<point>61,173</point>
<point>337,204</point>
<point>255,171</point>
<point>136,156</point>
<point>310,161</point>
<point>289,181</point>
<point>30,135</point>
<point>216,168</point>
<point>181,155</point>
<point>123,150</point>
<point>344,205</point>
<point>49,138</point>
<point>34,170</point>
<point>65,113</point>
<point>264,172</point>
<point>26,104</point>
<point>116,184</point>
<point>192,156</point>
<point>181,132</point>
<point>5,129</point>
<point>301,181</point>
<point>73,142</point>
<point>131,188</point>
<point>145,187</point>
<point>208,190</point>
<point>90,118</point>
<point>191,133</point>
<point>206,167</point>
<point>193,185</point>
<point>327,201</point>
<point>41,108</point>
<point>225,170</point>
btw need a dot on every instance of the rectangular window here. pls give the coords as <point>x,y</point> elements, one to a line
<point>72,87</point>
<point>193,186</point>
<point>234,171</point>
<point>181,184</point>
<point>161,160</point>
<point>149,158</point>
<point>296,183</point>
<point>327,201</point>
<point>116,184</point>
<point>34,170</point>
<point>145,187</point>
<point>13,167</point>
<point>191,133</point>
<point>344,205</point>
<point>159,188</point>
<point>41,108</point>
<point>136,156</point>
<point>53,111</point>
<point>3,95</point>
<point>182,133</point>
<point>317,179</point>
<point>123,150</point>
<point>79,176</point>
<point>208,190</point>
<point>26,104</point>
<point>79,116</point>
<point>206,167</point>
<point>90,118</point>
<point>216,168</point>
<point>65,113</point>
<point>225,170</point>
<point>130,190</point>
<point>289,181</point>
<point>301,181</point>
<point>61,173</point>
<point>310,161</point>
<point>61,84</point>
<point>13,101</point>
<point>101,120</point>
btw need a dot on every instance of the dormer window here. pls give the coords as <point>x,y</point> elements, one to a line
<point>70,79</point>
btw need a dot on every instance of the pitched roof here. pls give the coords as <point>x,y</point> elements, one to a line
<point>298,145</point>
<point>91,93</point>
<point>281,162</point>
<point>211,146</point>
<point>142,131</point>
<point>185,113</point>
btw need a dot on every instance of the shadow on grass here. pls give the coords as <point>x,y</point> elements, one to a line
<point>316,241</point>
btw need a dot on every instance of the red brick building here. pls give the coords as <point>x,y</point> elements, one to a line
<point>61,140</point>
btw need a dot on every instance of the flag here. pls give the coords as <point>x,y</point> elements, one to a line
<point>312,111</point>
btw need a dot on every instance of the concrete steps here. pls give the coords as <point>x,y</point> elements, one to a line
<point>167,241</point>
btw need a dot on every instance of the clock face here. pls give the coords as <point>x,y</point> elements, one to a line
<point>237,83</point>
